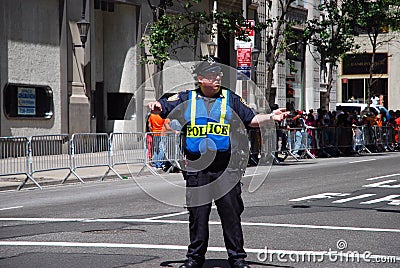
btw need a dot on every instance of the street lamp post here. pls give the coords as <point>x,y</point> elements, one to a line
<point>212,49</point>
<point>255,53</point>
<point>83,27</point>
<point>81,101</point>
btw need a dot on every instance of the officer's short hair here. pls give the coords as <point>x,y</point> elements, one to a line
<point>208,66</point>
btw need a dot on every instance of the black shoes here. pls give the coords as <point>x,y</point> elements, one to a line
<point>240,263</point>
<point>190,263</point>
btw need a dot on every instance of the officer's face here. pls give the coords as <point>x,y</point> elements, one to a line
<point>210,83</point>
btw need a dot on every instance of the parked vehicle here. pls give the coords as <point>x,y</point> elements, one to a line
<point>350,107</point>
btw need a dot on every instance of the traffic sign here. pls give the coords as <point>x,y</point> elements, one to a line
<point>250,34</point>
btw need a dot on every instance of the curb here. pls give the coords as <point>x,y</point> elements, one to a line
<point>48,181</point>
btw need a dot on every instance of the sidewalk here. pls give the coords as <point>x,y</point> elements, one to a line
<point>55,177</point>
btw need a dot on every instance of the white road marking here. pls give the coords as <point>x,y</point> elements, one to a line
<point>167,215</point>
<point>383,184</point>
<point>391,198</point>
<point>381,177</point>
<point>260,224</point>
<point>359,161</point>
<point>11,208</point>
<point>340,201</point>
<point>179,247</point>
<point>319,196</point>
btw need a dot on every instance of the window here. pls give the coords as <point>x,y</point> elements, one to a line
<point>28,101</point>
<point>119,106</point>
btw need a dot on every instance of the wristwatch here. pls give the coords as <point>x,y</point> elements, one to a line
<point>271,116</point>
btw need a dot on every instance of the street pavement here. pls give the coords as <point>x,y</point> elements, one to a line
<point>55,177</point>
<point>338,212</point>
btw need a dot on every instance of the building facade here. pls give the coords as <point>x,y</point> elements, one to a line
<point>51,84</point>
<point>354,72</point>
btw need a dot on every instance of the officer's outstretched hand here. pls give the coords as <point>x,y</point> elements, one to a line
<point>262,119</point>
<point>154,107</point>
<point>279,114</point>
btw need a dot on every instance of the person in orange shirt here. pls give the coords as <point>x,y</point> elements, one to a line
<point>157,126</point>
<point>381,119</point>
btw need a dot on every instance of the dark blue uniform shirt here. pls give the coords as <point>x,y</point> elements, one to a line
<point>178,103</point>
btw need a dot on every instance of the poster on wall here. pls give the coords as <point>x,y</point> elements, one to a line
<point>26,99</point>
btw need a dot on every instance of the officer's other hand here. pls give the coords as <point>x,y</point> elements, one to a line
<point>154,107</point>
<point>280,114</point>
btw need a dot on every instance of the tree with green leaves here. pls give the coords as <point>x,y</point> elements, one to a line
<point>171,32</point>
<point>332,36</point>
<point>376,19</point>
<point>279,28</point>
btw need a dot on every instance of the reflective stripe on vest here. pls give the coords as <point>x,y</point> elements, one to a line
<point>207,127</point>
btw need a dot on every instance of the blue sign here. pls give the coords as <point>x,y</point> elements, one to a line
<point>243,73</point>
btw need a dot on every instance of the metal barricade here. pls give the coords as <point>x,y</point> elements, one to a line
<point>324,144</point>
<point>379,138</point>
<point>48,152</point>
<point>344,140</point>
<point>173,153</point>
<point>369,134</point>
<point>254,146</point>
<point>391,138</point>
<point>359,140</point>
<point>126,148</point>
<point>89,150</point>
<point>397,138</point>
<point>341,141</point>
<point>386,135</point>
<point>328,141</point>
<point>14,158</point>
<point>311,141</point>
<point>298,143</point>
<point>268,147</point>
<point>160,149</point>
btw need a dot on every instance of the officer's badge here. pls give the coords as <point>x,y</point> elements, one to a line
<point>244,102</point>
<point>174,97</point>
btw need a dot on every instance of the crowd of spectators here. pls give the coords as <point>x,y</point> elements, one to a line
<point>316,133</point>
<point>323,133</point>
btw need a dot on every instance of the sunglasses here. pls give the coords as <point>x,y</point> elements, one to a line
<point>212,76</point>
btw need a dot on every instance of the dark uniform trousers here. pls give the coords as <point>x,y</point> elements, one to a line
<point>225,188</point>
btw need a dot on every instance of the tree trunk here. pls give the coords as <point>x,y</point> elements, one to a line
<point>158,81</point>
<point>373,39</point>
<point>269,93</point>
<point>329,88</point>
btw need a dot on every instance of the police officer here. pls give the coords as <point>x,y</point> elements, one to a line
<point>211,116</point>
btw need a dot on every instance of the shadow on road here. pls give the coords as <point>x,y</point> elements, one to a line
<point>219,263</point>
